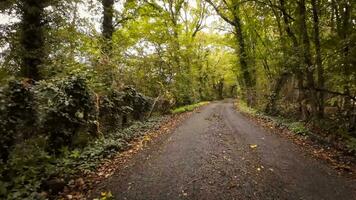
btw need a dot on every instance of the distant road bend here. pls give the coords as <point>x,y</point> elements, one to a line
<point>219,154</point>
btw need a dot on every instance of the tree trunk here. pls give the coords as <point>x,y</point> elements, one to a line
<point>243,57</point>
<point>108,26</point>
<point>345,25</point>
<point>318,59</point>
<point>296,69</point>
<point>307,56</point>
<point>106,66</point>
<point>32,38</point>
<point>288,29</point>
<point>220,88</point>
<point>271,105</point>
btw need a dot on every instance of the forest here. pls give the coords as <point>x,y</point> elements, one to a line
<point>76,76</point>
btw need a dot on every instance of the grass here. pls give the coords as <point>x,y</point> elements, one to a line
<point>188,108</point>
<point>294,126</point>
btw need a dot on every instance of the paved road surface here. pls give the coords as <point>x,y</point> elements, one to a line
<point>209,156</point>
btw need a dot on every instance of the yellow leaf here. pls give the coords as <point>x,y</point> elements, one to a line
<point>252,146</point>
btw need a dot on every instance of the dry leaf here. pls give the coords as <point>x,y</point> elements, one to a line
<point>252,146</point>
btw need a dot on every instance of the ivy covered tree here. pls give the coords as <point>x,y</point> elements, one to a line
<point>32,37</point>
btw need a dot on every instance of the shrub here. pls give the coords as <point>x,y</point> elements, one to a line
<point>67,108</point>
<point>54,117</point>
<point>27,167</point>
<point>117,106</point>
<point>139,103</point>
<point>112,108</point>
<point>17,115</point>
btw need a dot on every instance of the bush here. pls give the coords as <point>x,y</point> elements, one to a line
<point>165,103</point>
<point>28,165</point>
<point>42,124</point>
<point>139,103</point>
<point>17,115</point>
<point>67,108</point>
<point>117,107</point>
<point>112,109</point>
<point>163,106</point>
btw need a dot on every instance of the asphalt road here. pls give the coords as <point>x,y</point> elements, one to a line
<point>219,154</point>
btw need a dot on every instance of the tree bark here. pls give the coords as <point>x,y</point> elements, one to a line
<point>243,56</point>
<point>318,59</point>
<point>220,88</point>
<point>106,66</point>
<point>32,38</point>
<point>271,105</point>
<point>344,33</point>
<point>108,26</point>
<point>307,56</point>
<point>296,69</point>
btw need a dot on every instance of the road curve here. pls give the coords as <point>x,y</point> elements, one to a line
<point>209,156</point>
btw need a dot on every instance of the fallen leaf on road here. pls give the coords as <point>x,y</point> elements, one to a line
<point>252,146</point>
<point>184,193</point>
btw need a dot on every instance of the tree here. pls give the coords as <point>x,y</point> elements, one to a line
<point>32,37</point>
<point>108,26</point>
<point>229,12</point>
<point>318,58</point>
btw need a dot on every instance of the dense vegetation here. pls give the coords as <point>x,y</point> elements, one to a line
<point>75,72</point>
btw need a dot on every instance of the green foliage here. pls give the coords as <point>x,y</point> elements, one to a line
<point>139,103</point>
<point>188,108</point>
<point>67,108</point>
<point>112,108</point>
<point>298,128</point>
<point>27,167</point>
<point>242,106</point>
<point>294,126</point>
<point>17,115</point>
<point>105,196</point>
<point>30,166</point>
<point>48,129</point>
<point>174,54</point>
<point>351,144</point>
<point>117,105</point>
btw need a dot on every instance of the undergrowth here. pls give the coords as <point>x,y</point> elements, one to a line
<point>293,125</point>
<point>29,173</point>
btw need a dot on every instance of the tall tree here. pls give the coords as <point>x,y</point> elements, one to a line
<point>108,25</point>
<point>318,58</point>
<point>230,13</point>
<point>307,58</point>
<point>32,37</point>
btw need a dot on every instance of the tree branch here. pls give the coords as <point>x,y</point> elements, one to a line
<point>225,18</point>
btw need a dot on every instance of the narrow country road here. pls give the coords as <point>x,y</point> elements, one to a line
<point>209,156</point>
